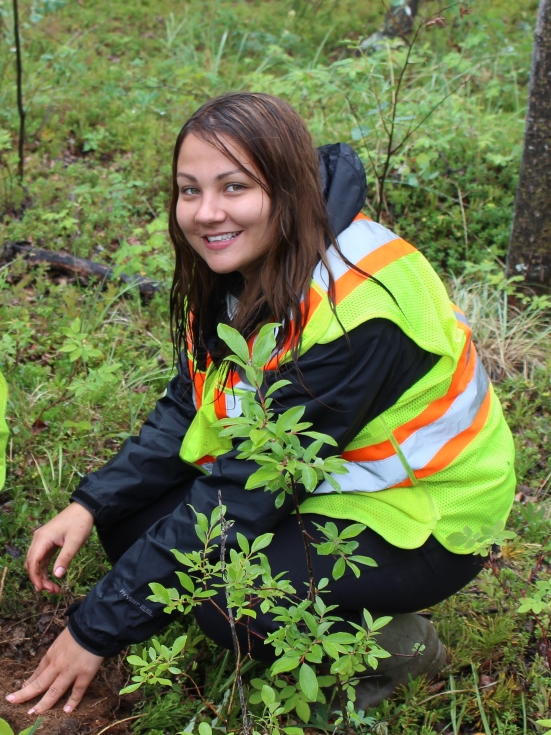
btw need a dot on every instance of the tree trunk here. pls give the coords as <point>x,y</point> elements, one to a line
<point>530,245</point>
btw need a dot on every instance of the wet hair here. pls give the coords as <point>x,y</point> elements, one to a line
<point>277,142</point>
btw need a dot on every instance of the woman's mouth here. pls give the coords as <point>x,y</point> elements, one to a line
<point>219,242</point>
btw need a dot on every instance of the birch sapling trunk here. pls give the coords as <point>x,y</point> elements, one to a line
<point>530,244</point>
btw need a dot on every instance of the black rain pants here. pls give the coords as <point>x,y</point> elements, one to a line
<point>404,581</point>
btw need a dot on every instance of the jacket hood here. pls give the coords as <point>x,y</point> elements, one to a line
<point>343,182</point>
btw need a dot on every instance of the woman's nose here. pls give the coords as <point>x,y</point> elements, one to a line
<point>209,210</point>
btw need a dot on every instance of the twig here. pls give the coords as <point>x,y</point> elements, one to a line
<point>305,536</point>
<point>19,72</point>
<point>223,537</point>
<point>342,702</point>
<point>205,702</point>
<point>118,722</point>
<point>80,268</point>
<point>394,111</point>
<point>464,218</point>
<point>4,575</point>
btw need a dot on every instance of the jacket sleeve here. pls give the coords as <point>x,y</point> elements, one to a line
<point>343,385</point>
<point>148,465</point>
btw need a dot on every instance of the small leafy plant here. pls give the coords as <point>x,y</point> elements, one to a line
<point>311,660</point>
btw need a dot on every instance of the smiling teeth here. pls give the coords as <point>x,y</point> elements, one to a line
<point>217,238</point>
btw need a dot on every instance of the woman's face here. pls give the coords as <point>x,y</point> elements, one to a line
<point>221,210</point>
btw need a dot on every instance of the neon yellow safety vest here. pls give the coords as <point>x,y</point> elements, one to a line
<point>442,457</point>
<point>3,429</point>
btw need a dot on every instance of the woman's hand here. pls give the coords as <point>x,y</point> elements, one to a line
<point>65,664</point>
<point>69,530</point>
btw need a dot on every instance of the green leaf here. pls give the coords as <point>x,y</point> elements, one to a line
<point>308,682</point>
<point>257,683</point>
<point>268,695</point>
<point>339,568</point>
<point>178,645</point>
<point>186,581</point>
<point>276,386</point>
<point>160,592</point>
<point>342,638</point>
<point>293,730</point>
<point>243,543</point>
<point>287,420</point>
<point>234,340</point>
<point>303,711</point>
<point>264,346</point>
<point>261,477</point>
<point>136,661</point>
<point>5,729</point>
<point>286,663</point>
<point>34,728</point>
<point>350,531</point>
<point>380,622</point>
<point>205,728</point>
<point>367,560</point>
<point>128,689</point>
<point>309,478</point>
<point>262,541</point>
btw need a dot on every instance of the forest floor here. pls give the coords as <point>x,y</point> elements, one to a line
<point>107,87</point>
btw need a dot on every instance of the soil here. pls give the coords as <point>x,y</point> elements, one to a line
<point>22,644</point>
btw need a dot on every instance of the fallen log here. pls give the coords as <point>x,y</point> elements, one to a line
<point>67,264</point>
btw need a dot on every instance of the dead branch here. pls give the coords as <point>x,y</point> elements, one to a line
<point>81,268</point>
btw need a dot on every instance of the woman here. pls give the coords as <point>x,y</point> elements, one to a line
<point>374,351</point>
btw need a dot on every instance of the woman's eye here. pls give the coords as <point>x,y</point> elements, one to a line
<point>235,187</point>
<point>189,190</point>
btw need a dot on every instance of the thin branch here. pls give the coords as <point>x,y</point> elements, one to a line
<point>4,575</point>
<point>119,722</point>
<point>342,702</point>
<point>19,82</point>
<point>223,537</point>
<point>305,537</point>
<point>411,131</point>
<point>395,99</point>
<point>205,702</point>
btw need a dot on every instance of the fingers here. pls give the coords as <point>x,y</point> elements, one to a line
<point>66,664</point>
<point>69,531</point>
<point>79,689</point>
<point>38,559</point>
<point>67,554</point>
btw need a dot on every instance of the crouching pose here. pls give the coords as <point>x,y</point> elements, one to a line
<point>268,229</point>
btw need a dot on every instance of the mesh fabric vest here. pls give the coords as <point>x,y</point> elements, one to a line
<point>438,460</point>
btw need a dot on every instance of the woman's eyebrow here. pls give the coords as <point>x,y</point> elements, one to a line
<point>220,176</point>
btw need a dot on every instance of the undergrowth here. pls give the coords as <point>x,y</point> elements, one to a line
<point>107,86</point>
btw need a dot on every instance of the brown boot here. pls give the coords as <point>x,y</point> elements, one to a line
<point>399,638</point>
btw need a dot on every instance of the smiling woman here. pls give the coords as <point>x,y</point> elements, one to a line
<point>268,229</point>
<point>223,214</point>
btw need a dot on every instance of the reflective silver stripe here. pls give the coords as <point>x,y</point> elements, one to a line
<point>207,467</point>
<point>360,239</point>
<point>461,317</point>
<point>419,448</point>
<point>233,399</point>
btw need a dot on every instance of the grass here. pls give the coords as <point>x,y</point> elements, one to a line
<point>107,86</point>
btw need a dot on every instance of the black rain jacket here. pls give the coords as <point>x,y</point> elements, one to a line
<point>343,385</point>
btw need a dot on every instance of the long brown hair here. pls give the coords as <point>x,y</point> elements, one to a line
<point>278,143</point>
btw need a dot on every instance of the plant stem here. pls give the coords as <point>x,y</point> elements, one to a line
<point>311,578</point>
<point>342,702</point>
<point>19,83</point>
<point>223,537</point>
